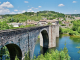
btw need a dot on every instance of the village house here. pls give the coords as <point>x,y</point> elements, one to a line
<point>56,22</point>
<point>60,19</point>
<point>24,23</point>
<point>15,24</point>
<point>45,22</point>
<point>31,22</point>
<point>42,22</point>
<point>78,18</point>
<point>66,23</point>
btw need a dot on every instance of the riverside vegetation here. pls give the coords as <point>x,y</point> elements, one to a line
<point>54,55</point>
<point>74,30</point>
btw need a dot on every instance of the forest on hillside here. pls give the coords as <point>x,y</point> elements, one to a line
<point>76,15</point>
<point>32,16</point>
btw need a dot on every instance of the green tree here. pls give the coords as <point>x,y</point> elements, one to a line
<point>16,58</point>
<point>60,30</point>
<point>79,30</point>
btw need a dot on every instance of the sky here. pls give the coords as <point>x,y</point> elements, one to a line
<point>21,6</point>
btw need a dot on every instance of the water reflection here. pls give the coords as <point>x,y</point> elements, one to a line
<point>57,41</point>
<point>43,50</point>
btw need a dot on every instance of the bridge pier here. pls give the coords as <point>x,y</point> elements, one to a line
<point>53,33</point>
<point>52,36</point>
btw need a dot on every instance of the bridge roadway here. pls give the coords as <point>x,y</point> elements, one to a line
<point>20,41</point>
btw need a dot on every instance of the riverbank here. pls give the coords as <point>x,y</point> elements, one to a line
<point>68,31</point>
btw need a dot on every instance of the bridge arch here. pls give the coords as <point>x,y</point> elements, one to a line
<point>44,38</point>
<point>14,50</point>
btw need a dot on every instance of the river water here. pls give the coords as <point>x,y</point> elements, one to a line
<point>71,44</point>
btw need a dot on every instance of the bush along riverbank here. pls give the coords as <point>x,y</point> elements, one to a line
<point>74,30</point>
<point>54,55</point>
<point>68,31</point>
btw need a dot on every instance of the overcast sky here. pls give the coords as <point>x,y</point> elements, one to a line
<point>21,6</point>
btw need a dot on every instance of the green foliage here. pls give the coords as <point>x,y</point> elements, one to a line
<point>49,23</point>
<point>60,22</point>
<point>71,33</point>
<point>4,25</point>
<point>70,24</point>
<point>79,49</point>
<point>74,28</point>
<point>60,30</point>
<point>66,30</point>
<point>76,25</point>
<point>4,51</point>
<point>55,55</point>
<point>16,58</point>
<point>27,56</point>
<point>79,30</point>
<point>75,39</point>
<point>63,25</point>
<point>33,16</point>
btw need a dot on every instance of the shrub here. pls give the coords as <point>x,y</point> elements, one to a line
<point>69,24</point>
<point>60,22</point>
<point>79,30</point>
<point>74,28</point>
<point>71,33</point>
<point>55,55</point>
<point>63,25</point>
<point>60,30</point>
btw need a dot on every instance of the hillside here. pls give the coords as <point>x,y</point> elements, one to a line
<point>32,16</point>
<point>76,15</point>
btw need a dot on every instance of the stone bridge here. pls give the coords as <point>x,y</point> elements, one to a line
<point>20,41</point>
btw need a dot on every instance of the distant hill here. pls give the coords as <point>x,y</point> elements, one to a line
<point>50,15</point>
<point>40,13</point>
<point>77,15</point>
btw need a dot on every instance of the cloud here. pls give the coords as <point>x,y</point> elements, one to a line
<point>75,10</point>
<point>2,11</point>
<point>39,6</point>
<point>12,13</point>
<point>23,11</point>
<point>26,2</point>
<point>7,5</point>
<point>4,7</point>
<point>19,13</point>
<point>74,2</point>
<point>0,2</point>
<point>30,10</point>
<point>35,8</point>
<point>15,10</point>
<point>60,5</point>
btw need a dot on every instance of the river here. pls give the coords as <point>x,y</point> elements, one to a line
<point>71,44</point>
